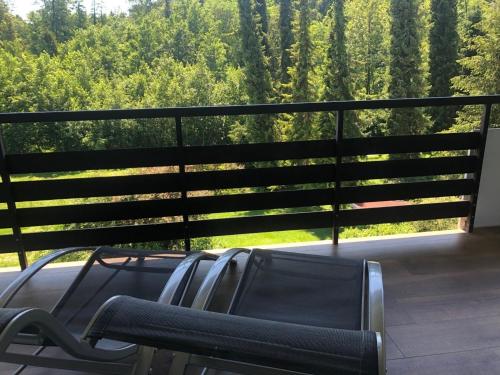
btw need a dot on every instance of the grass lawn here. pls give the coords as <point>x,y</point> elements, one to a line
<point>269,238</point>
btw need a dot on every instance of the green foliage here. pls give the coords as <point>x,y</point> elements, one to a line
<point>481,66</point>
<point>191,52</point>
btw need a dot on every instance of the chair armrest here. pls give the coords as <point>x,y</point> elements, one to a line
<point>282,345</point>
<point>15,321</point>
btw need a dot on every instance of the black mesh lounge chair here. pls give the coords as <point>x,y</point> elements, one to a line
<point>54,334</point>
<point>290,313</point>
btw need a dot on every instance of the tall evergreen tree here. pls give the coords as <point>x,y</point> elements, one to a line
<point>470,29</point>
<point>337,79</point>
<point>258,80</point>
<point>286,39</point>
<point>261,9</point>
<point>443,55</point>
<point>368,46</point>
<point>300,75</point>
<point>405,67</point>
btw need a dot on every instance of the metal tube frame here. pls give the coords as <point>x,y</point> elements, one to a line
<point>375,310</point>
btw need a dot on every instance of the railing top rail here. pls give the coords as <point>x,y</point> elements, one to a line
<point>249,109</point>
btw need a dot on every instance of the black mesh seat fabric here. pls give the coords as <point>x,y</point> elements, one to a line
<point>287,346</point>
<point>303,289</point>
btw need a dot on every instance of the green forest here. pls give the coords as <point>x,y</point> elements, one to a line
<point>207,52</point>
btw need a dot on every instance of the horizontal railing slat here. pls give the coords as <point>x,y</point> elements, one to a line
<point>3,193</point>
<point>388,192</point>
<point>408,168</point>
<point>256,224</point>
<point>410,143</point>
<point>7,244</point>
<point>100,212</point>
<point>5,219</point>
<point>172,231</point>
<point>170,182</point>
<point>396,214</point>
<point>168,156</point>
<point>103,236</point>
<point>259,177</point>
<point>92,160</point>
<point>95,187</point>
<point>260,152</point>
<point>259,201</point>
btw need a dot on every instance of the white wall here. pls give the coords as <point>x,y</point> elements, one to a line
<point>488,207</point>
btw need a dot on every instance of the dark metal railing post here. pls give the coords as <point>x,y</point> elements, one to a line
<point>182,171</point>
<point>339,135</point>
<point>485,124</point>
<point>11,205</point>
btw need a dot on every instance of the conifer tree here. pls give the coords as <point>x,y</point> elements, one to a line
<point>258,80</point>
<point>443,55</point>
<point>337,79</point>
<point>261,9</point>
<point>405,67</point>
<point>286,39</point>
<point>300,73</point>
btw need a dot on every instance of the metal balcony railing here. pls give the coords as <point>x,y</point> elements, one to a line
<point>335,167</point>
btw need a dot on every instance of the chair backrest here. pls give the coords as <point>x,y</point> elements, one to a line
<point>302,289</point>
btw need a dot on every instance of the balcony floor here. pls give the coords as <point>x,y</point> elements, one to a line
<point>442,299</point>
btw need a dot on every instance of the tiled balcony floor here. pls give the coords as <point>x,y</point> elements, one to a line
<point>442,299</point>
